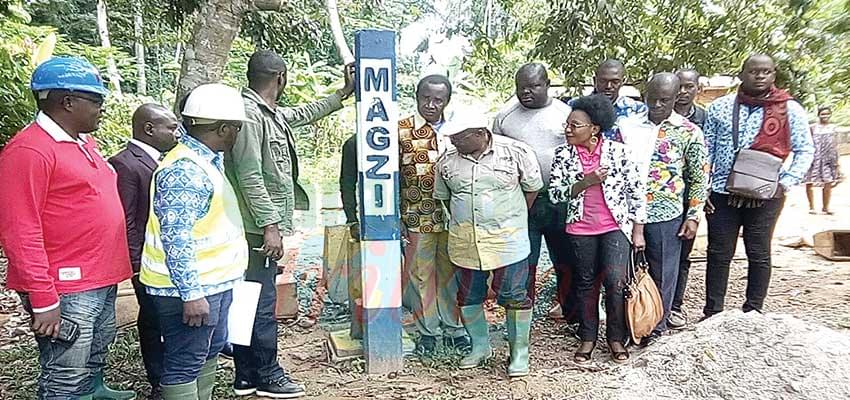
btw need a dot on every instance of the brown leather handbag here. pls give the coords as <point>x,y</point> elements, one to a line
<point>643,301</point>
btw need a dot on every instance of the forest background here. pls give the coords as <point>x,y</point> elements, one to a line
<point>152,50</point>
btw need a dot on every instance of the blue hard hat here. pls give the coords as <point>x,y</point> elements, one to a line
<point>68,73</point>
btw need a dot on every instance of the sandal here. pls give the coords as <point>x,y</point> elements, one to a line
<point>584,357</point>
<point>619,357</point>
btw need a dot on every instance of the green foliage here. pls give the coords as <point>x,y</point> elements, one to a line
<point>17,45</point>
<point>659,35</point>
<point>116,126</point>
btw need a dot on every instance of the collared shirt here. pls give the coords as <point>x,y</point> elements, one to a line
<point>442,142</point>
<point>696,115</point>
<point>182,196</point>
<point>61,219</point>
<point>488,226</point>
<point>624,107</point>
<point>667,154</point>
<point>718,138</point>
<point>148,149</point>
<point>542,129</point>
<point>420,146</point>
<point>263,164</point>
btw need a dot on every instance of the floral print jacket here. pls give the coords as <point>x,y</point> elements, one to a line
<point>624,191</point>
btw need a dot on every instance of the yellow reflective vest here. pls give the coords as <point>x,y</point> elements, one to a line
<point>221,252</point>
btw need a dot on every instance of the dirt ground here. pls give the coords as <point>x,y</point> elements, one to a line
<point>803,285</point>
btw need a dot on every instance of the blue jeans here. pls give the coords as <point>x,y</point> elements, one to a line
<point>509,282</point>
<point>663,252</point>
<point>188,348</point>
<point>546,221</point>
<point>66,370</point>
<point>258,363</point>
<point>601,259</point>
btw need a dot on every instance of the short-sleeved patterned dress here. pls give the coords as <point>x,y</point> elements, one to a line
<point>824,169</point>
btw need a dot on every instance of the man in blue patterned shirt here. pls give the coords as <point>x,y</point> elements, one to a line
<point>195,249</point>
<point>768,120</point>
<point>608,80</point>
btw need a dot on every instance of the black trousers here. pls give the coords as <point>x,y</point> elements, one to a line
<point>723,227</point>
<point>601,260</point>
<point>258,363</point>
<point>546,222</point>
<point>150,335</point>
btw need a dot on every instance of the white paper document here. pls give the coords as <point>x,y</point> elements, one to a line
<point>240,319</point>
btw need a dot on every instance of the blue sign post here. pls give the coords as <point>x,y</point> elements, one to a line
<point>377,164</point>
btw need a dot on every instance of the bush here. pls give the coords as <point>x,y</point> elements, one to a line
<point>18,42</point>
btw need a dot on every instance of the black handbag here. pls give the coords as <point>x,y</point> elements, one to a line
<point>755,174</point>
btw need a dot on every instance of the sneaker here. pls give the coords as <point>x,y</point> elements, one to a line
<point>461,344</point>
<point>677,319</point>
<point>244,388</point>
<point>281,388</point>
<point>427,345</point>
<point>226,352</point>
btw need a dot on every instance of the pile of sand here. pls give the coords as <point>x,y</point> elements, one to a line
<point>742,356</point>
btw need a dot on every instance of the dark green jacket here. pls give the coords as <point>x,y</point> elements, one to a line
<point>263,165</point>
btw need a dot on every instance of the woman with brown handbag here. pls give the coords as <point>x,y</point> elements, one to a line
<point>606,210</point>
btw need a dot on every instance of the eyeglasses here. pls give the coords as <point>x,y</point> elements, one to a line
<point>98,101</point>
<point>574,125</point>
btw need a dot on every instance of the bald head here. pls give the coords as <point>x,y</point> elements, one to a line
<point>532,85</point>
<point>155,125</point>
<point>661,92</point>
<point>758,74</point>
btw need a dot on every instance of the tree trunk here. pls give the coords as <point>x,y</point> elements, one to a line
<point>103,30</point>
<point>339,36</point>
<point>218,23</point>
<point>142,84</point>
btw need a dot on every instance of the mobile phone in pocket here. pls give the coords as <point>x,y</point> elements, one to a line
<point>69,331</point>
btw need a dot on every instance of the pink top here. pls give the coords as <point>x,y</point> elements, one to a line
<point>597,218</point>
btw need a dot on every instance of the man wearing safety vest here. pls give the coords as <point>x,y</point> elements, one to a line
<point>195,249</point>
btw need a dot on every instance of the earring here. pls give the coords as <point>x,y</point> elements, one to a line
<point>594,140</point>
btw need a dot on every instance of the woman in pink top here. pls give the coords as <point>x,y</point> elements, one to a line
<point>606,210</point>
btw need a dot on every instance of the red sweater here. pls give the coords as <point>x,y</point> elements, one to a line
<point>61,220</point>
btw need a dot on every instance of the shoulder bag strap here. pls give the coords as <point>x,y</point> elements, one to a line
<point>735,115</point>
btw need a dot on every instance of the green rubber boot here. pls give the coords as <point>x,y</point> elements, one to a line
<point>183,391</point>
<point>519,327</point>
<point>479,335</point>
<point>206,379</point>
<point>103,392</point>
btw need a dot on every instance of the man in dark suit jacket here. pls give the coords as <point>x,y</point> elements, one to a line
<point>154,132</point>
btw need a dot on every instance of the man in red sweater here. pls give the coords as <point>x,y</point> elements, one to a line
<point>62,228</point>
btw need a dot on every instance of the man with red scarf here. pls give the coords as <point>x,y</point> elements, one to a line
<point>769,120</point>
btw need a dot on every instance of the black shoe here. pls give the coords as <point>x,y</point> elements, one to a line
<point>156,392</point>
<point>281,388</point>
<point>461,344</point>
<point>226,352</point>
<point>244,388</point>
<point>648,340</point>
<point>427,345</point>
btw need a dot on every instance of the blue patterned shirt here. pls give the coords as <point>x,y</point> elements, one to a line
<point>718,138</point>
<point>624,107</point>
<point>183,194</point>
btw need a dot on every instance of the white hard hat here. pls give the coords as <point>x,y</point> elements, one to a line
<point>214,102</point>
<point>462,121</point>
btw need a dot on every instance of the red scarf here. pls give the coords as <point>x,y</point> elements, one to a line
<point>774,137</point>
